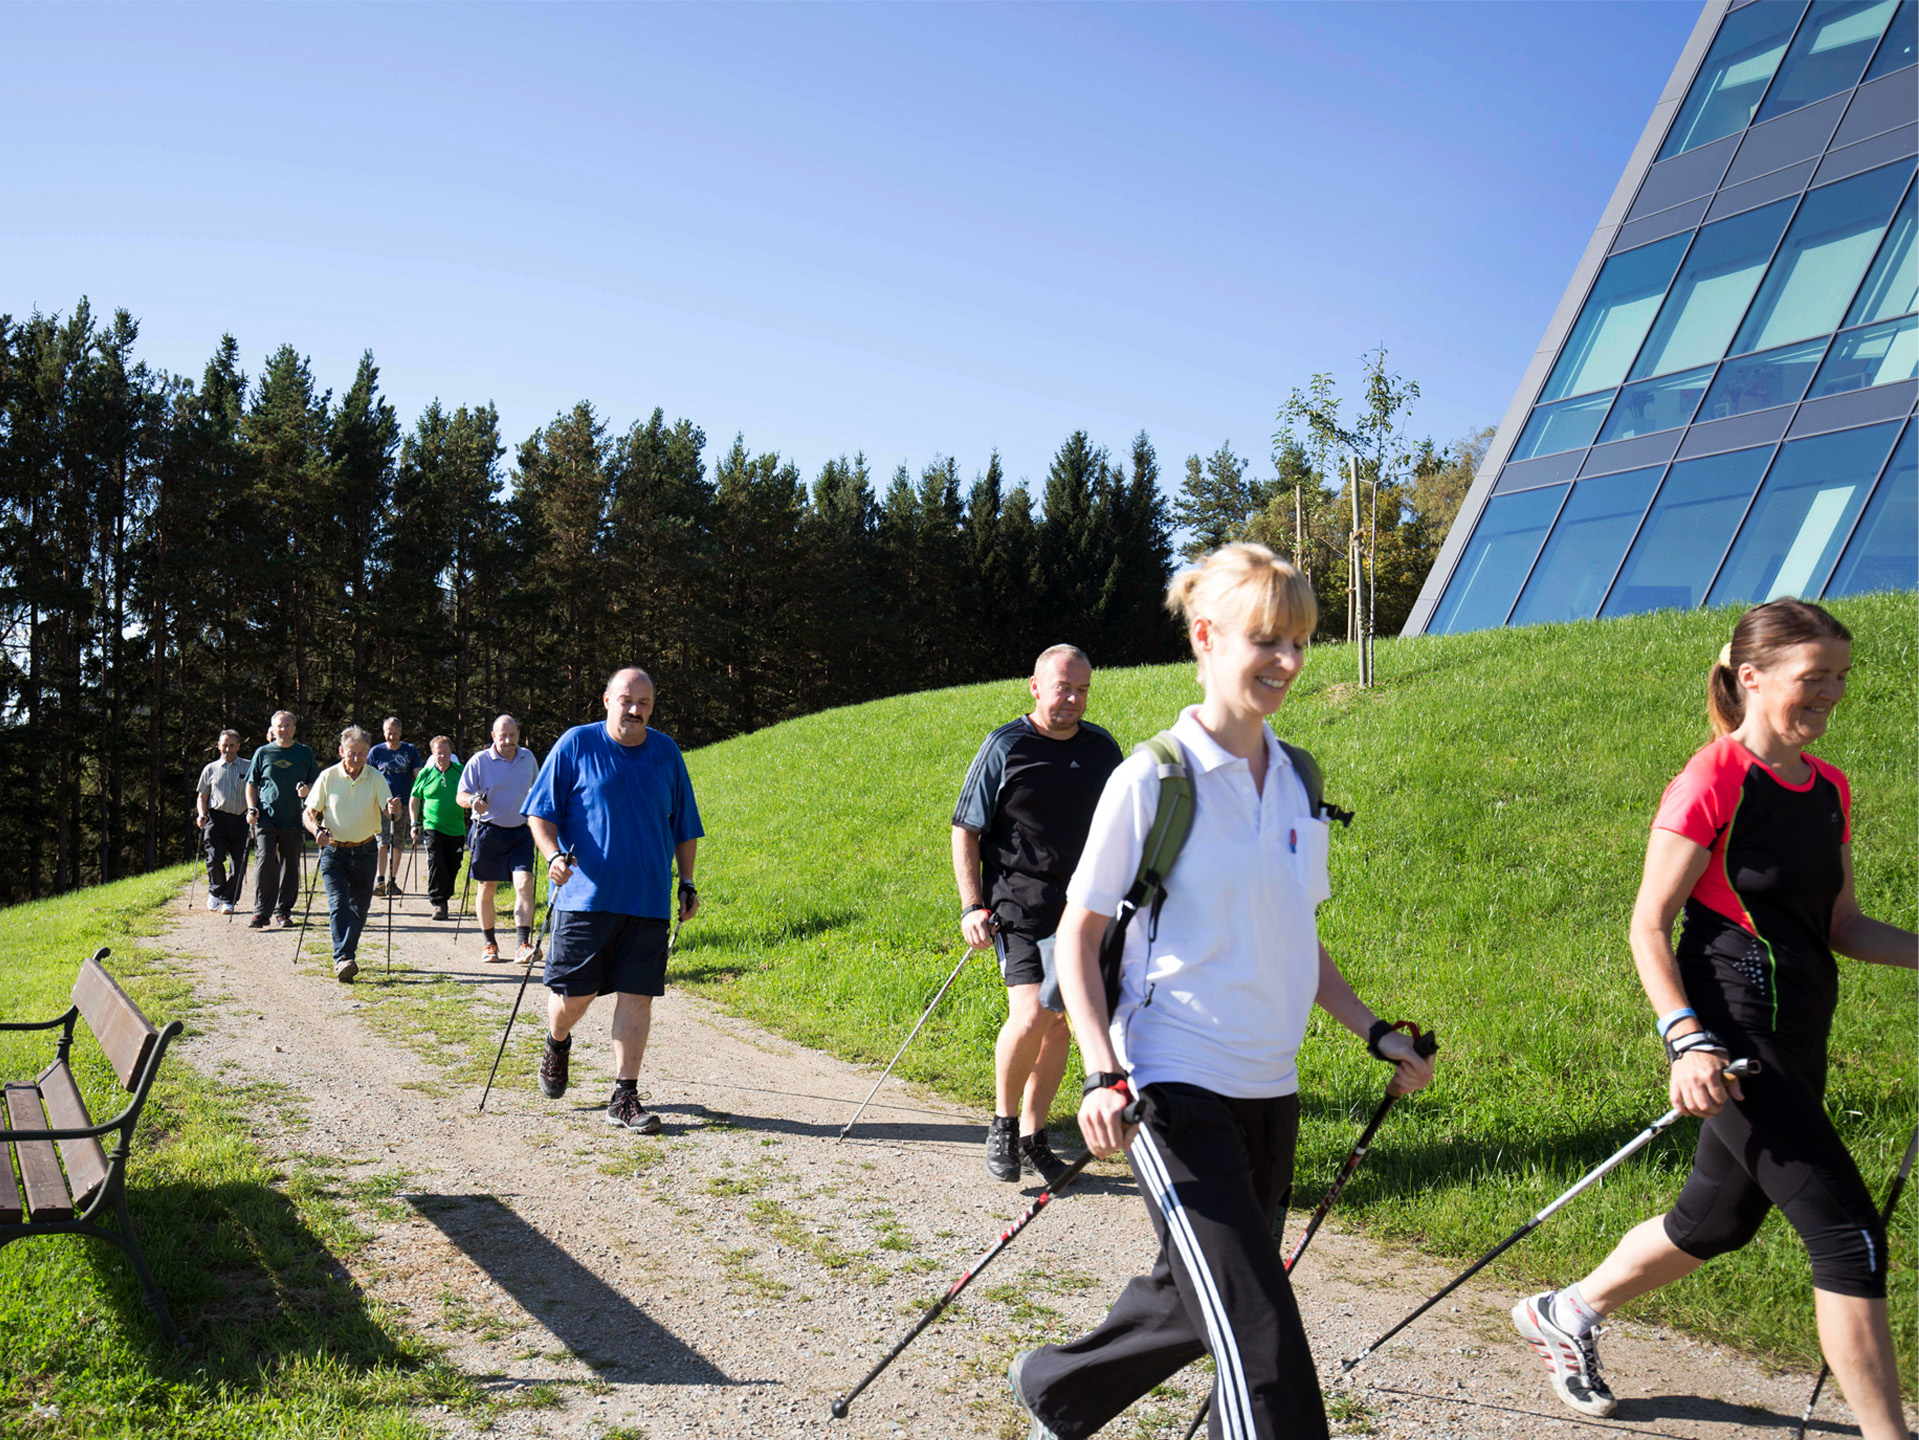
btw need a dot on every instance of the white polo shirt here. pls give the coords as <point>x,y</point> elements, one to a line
<point>1221,997</point>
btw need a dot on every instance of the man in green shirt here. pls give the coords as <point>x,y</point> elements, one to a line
<point>277,781</point>
<point>438,815</point>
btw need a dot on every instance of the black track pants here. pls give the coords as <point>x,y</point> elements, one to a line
<point>225,840</point>
<point>1778,1147</point>
<point>442,865</point>
<point>1214,1172</point>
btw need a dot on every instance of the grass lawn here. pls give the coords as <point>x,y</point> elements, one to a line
<point>284,1344</point>
<point>1504,782</point>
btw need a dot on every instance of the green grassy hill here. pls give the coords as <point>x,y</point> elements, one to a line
<point>1504,782</point>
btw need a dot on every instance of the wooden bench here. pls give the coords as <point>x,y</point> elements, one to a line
<point>48,1111</point>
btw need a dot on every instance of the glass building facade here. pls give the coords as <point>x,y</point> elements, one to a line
<point>1722,409</point>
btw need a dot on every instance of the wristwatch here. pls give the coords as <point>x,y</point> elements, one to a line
<point>1105,1080</point>
<point>969,910</point>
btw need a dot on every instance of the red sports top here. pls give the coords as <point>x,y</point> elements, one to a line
<point>1756,946</point>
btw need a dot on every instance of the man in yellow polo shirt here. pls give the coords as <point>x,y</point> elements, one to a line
<point>343,811</point>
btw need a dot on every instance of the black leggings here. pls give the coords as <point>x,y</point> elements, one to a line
<point>1776,1147</point>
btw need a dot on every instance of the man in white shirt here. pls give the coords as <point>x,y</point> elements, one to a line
<point>220,803</point>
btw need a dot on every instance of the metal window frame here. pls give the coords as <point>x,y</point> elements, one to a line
<point>1912,423</point>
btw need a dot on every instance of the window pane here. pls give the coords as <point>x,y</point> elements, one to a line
<point>1828,248</point>
<point>1656,405</point>
<point>1759,382</point>
<point>1578,562</point>
<point>1709,298</point>
<point>1884,554</point>
<point>1698,507</point>
<point>1879,355</point>
<point>1802,516</point>
<point>1829,54</point>
<point>1566,426</point>
<point>1892,286</point>
<point>1607,334</point>
<point>1898,49</point>
<point>1496,561</point>
<point>1749,47</point>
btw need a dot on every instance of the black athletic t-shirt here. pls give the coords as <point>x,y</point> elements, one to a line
<point>1757,940</point>
<point>1030,799</point>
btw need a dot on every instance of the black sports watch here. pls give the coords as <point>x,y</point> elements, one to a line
<point>968,910</point>
<point>686,888</point>
<point>1105,1080</point>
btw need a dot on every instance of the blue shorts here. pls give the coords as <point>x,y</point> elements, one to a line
<point>499,850</point>
<point>596,952</point>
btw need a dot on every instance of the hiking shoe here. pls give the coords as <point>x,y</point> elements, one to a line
<point>1040,1430</point>
<point>394,889</point>
<point>345,970</point>
<point>553,1069</point>
<point>491,954</point>
<point>1571,1360</point>
<point>625,1109</point>
<point>439,912</point>
<point>379,889</point>
<point>1002,1148</point>
<point>258,922</point>
<point>282,922</point>
<point>1036,1157</point>
<point>524,953</point>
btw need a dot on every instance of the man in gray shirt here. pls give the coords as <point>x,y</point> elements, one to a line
<point>220,801</point>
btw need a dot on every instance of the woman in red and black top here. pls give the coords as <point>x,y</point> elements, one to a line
<point>1753,837</point>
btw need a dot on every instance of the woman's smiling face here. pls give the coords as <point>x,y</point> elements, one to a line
<point>1251,673</point>
<point>1794,697</point>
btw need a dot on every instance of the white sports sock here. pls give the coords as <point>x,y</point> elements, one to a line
<point>1570,1305</point>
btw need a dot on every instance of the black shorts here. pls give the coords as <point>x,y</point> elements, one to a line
<point>595,952</point>
<point>499,850</point>
<point>1028,960</point>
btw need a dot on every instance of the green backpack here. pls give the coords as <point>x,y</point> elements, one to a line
<point>1172,823</point>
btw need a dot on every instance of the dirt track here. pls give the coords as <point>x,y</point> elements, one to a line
<point>734,1274</point>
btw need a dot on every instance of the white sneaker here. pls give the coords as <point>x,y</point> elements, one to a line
<point>1571,1360</point>
<point>212,904</point>
<point>523,954</point>
<point>226,907</point>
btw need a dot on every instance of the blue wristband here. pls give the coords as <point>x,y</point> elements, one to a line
<point>1672,1018</point>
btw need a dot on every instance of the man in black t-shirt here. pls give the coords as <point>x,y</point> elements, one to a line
<point>1020,824</point>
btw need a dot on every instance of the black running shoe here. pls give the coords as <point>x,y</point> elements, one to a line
<point>259,922</point>
<point>1002,1148</point>
<point>1036,1157</point>
<point>553,1068</point>
<point>439,912</point>
<point>625,1110</point>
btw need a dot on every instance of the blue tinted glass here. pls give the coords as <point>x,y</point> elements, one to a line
<point>1496,561</point>
<point>1709,298</point>
<point>1829,54</point>
<point>1565,426</point>
<point>1884,554</point>
<point>1747,50</point>
<point>1877,355</point>
<point>1831,242</point>
<point>1607,334</point>
<point>1805,510</point>
<point>1679,547</point>
<point>1579,559</point>
<point>1651,405</point>
<point>1898,49</point>
<point>1759,382</point>
<point>1892,285</point>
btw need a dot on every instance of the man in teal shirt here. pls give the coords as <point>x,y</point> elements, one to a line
<point>277,781</point>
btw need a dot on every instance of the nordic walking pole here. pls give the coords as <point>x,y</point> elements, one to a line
<point>1738,1069</point>
<point>465,884</point>
<point>1885,1220</point>
<point>389,927</point>
<point>240,880</point>
<point>300,943</point>
<point>1424,1045</point>
<point>1130,1115</point>
<point>531,961</point>
<point>970,952</point>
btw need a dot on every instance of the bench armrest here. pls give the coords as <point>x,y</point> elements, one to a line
<point>73,1013</point>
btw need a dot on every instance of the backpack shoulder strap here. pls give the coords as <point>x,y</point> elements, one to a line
<point>1315,782</point>
<point>1172,821</point>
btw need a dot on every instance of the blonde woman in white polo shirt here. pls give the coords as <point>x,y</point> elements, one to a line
<point>1212,1010</point>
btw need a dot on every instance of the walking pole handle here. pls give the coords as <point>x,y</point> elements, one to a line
<point>1425,1046</point>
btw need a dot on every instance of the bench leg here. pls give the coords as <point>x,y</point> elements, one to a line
<point>149,1289</point>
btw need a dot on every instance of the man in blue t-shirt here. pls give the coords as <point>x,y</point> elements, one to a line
<point>618,798</point>
<point>399,761</point>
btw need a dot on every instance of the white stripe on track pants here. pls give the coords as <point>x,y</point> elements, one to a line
<point>1214,1172</point>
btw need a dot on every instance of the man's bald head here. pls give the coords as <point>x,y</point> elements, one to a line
<point>1062,678</point>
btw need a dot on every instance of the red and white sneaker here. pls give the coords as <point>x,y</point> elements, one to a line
<point>491,954</point>
<point>1571,1360</point>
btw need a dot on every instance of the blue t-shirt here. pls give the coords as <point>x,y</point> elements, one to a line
<point>399,763</point>
<point>622,809</point>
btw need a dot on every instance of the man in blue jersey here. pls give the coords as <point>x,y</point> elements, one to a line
<point>399,761</point>
<point>617,796</point>
<point>1020,824</point>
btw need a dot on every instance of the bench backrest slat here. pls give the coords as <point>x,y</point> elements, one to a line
<point>124,1033</point>
<point>86,1161</point>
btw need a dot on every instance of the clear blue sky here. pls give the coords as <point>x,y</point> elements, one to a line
<point>908,229</point>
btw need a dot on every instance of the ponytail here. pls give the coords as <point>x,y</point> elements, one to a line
<point>1757,640</point>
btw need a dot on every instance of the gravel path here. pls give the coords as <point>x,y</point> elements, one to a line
<point>733,1274</point>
